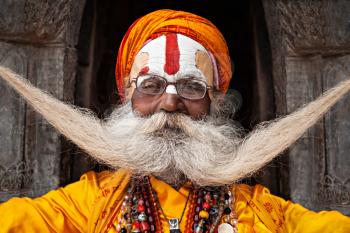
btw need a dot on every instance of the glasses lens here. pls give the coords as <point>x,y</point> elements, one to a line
<point>152,85</point>
<point>191,88</point>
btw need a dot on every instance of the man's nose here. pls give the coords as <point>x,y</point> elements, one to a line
<point>171,103</point>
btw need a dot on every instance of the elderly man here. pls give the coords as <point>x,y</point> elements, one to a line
<point>177,157</point>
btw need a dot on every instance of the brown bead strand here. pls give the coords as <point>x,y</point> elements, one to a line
<point>220,208</point>
<point>190,213</point>
<point>143,206</point>
<point>233,215</point>
<point>155,210</point>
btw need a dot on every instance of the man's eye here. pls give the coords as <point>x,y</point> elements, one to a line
<point>195,86</point>
<point>152,85</point>
<point>149,84</point>
<point>191,85</point>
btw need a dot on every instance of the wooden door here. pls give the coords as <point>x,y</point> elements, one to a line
<point>310,42</point>
<point>37,40</point>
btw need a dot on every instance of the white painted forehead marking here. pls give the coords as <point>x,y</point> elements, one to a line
<point>188,47</point>
<point>156,55</point>
<point>171,89</point>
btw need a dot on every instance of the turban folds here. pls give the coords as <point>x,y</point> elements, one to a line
<point>162,22</point>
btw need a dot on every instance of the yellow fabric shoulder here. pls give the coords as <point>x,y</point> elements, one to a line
<point>67,209</point>
<point>260,211</point>
<point>92,204</point>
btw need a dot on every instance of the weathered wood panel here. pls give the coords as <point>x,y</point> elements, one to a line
<point>48,71</point>
<point>336,181</point>
<point>315,26</point>
<point>31,151</point>
<point>307,156</point>
<point>13,170</point>
<point>319,162</point>
<point>40,39</point>
<point>310,45</point>
<point>41,21</point>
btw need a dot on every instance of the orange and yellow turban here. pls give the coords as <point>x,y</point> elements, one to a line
<point>161,22</point>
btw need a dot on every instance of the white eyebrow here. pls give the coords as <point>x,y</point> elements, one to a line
<point>190,72</point>
<point>195,73</point>
<point>141,78</point>
<point>155,73</point>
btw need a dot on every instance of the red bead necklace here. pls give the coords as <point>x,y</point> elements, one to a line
<point>210,210</point>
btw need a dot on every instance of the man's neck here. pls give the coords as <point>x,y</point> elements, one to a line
<point>178,185</point>
<point>175,183</point>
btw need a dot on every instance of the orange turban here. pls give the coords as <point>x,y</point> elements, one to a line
<point>161,22</point>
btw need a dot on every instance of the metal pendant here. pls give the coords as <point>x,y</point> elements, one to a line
<point>225,228</point>
<point>174,225</point>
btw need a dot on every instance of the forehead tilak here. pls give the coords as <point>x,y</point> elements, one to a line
<point>172,56</point>
<point>172,53</point>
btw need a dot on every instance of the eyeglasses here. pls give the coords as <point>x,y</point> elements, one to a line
<point>188,88</point>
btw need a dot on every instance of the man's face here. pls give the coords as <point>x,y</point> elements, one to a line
<point>174,58</point>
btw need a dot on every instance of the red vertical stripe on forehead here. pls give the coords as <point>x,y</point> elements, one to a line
<point>172,55</point>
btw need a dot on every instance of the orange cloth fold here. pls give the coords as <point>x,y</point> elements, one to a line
<point>91,205</point>
<point>161,22</point>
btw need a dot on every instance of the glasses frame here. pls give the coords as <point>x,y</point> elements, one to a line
<point>207,87</point>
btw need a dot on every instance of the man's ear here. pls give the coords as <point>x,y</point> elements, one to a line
<point>129,89</point>
<point>226,103</point>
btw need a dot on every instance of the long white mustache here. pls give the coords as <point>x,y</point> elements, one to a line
<point>170,145</point>
<point>237,160</point>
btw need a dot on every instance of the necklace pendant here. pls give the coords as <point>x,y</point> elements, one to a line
<point>226,228</point>
<point>174,225</point>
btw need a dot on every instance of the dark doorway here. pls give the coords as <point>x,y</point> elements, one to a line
<point>242,24</point>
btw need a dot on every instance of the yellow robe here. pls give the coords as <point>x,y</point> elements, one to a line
<point>90,204</point>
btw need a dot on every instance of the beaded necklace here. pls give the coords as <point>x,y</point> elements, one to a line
<point>210,210</point>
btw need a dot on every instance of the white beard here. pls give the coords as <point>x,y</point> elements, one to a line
<point>169,145</point>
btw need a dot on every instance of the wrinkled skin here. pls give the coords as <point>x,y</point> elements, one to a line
<point>158,57</point>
